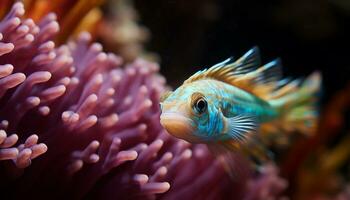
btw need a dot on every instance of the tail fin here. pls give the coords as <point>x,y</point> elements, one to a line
<point>297,104</point>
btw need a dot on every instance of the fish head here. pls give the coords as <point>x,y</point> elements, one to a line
<point>191,114</point>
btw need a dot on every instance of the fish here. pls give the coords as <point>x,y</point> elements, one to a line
<point>231,104</point>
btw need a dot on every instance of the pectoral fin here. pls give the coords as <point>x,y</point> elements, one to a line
<point>240,127</point>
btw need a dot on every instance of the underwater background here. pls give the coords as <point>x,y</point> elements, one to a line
<point>79,113</point>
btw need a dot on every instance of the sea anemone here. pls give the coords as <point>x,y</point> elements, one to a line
<point>75,123</point>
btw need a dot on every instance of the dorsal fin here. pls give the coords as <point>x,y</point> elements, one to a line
<point>227,70</point>
<point>245,73</point>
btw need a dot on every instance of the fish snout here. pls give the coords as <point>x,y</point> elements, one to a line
<point>177,125</point>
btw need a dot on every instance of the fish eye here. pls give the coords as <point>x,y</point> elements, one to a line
<point>201,105</point>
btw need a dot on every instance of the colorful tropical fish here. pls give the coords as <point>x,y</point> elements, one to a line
<point>232,103</point>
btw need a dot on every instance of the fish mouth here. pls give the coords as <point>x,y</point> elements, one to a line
<point>177,125</point>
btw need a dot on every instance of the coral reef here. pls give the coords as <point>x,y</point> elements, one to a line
<point>74,15</point>
<point>75,124</point>
<point>121,33</point>
<point>267,186</point>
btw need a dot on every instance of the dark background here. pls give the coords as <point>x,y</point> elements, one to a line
<point>307,35</point>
